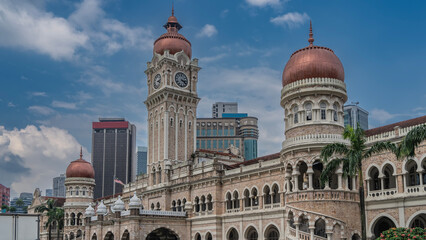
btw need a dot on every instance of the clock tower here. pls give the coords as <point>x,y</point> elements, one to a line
<point>172,101</point>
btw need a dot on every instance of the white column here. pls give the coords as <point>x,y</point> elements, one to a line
<point>310,177</point>
<point>186,137</point>
<point>297,229</point>
<point>311,230</point>
<point>194,128</point>
<point>339,181</point>
<point>329,236</point>
<point>158,137</point>
<point>176,135</point>
<point>166,135</point>
<point>354,183</point>
<point>296,182</point>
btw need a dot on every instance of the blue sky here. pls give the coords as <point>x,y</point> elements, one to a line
<point>66,63</point>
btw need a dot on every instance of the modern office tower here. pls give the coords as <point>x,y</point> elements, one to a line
<point>233,129</point>
<point>4,195</point>
<point>354,114</point>
<point>113,154</point>
<point>49,193</point>
<point>26,198</point>
<point>224,107</point>
<point>59,186</point>
<point>142,157</point>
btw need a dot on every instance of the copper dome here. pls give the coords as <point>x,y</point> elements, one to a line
<point>312,62</point>
<point>172,40</point>
<point>80,168</point>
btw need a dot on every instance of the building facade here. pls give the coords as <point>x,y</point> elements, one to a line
<point>113,154</point>
<point>59,186</point>
<point>26,198</point>
<point>49,193</point>
<point>5,195</point>
<point>236,130</point>
<point>220,108</point>
<point>353,114</point>
<point>205,195</point>
<point>142,160</point>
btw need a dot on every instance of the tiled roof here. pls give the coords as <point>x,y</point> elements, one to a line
<point>108,197</point>
<point>59,201</point>
<point>256,160</point>
<point>390,127</point>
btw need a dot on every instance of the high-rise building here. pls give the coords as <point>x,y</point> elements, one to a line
<point>49,193</point>
<point>353,114</point>
<point>224,107</point>
<point>113,154</point>
<point>4,195</point>
<point>26,198</point>
<point>234,129</point>
<point>142,157</point>
<point>59,186</point>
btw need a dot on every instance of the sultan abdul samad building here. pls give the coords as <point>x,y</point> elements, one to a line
<point>205,195</point>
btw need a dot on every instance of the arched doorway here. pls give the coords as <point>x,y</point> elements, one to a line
<point>272,233</point>
<point>94,237</point>
<point>197,236</point>
<point>382,224</point>
<point>233,235</point>
<point>126,235</point>
<point>162,234</point>
<point>251,234</point>
<point>320,228</point>
<point>109,236</point>
<point>72,236</point>
<point>419,221</point>
<point>209,236</point>
<point>79,235</point>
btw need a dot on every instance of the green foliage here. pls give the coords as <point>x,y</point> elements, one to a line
<point>12,209</point>
<point>54,214</point>
<point>403,233</point>
<point>20,202</point>
<point>412,140</point>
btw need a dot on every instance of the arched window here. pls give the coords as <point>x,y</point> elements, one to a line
<point>158,206</point>
<point>419,221</point>
<point>308,110</point>
<point>247,201</point>
<point>174,206</point>
<point>291,219</point>
<point>412,175</point>
<point>79,219</point>
<point>388,177</point>
<point>382,224</point>
<point>71,191</point>
<point>275,194</point>
<point>254,198</point>
<point>203,203</point>
<point>171,122</point>
<point>303,177</point>
<point>209,236</point>
<point>180,123</point>
<point>83,191</point>
<point>323,107</point>
<point>209,202</point>
<point>152,206</point>
<point>183,204</point>
<point>295,114</point>
<point>320,228</point>
<point>233,234</point>
<point>154,180</point>
<point>228,201</point>
<point>72,219</point>
<point>77,191</point>
<point>179,205</point>
<point>197,236</point>
<point>159,174</point>
<point>189,125</point>
<point>304,224</point>
<point>266,195</point>
<point>197,204</point>
<point>375,183</point>
<point>335,116</point>
<point>236,200</point>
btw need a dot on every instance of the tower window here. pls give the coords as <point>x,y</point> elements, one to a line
<point>335,117</point>
<point>308,109</point>
<point>180,123</point>
<point>189,125</point>
<point>171,122</point>
<point>296,116</point>
<point>322,110</point>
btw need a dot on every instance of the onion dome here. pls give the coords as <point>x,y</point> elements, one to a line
<point>80,168</point>
<point>312,62</point>
<point>172,40</point>
<point>118,205</point>
<point>135,202</point>
<point>102,210</point>
<point>90,211</point>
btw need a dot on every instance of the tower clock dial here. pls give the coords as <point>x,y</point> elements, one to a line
<point>157,81</point>
<point>181,79</point>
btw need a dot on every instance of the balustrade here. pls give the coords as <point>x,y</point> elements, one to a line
<point>312,195</point>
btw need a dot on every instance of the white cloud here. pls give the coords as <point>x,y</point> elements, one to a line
<point>11,105</point>
<point>291,20</point>
<point>40,154</point>
<point>263,3</point>
<point>24,26</point>
<point>42,110</point>
<point>207,31</point>
<point>38,94</point>
<point>204,60</point>
<point>224,13</point>
<point>381,115</point>
<point>66,105</point>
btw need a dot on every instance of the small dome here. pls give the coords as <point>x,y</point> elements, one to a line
<point>80,168</point>
<point>135,202</point>
<point>90,211</point>
<point>102,210</point>
<point>172,40</point>
<point>312,62</point>
<point>119,205</point>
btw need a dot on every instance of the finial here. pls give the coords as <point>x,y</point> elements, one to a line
<point>311,35</point>
<point>81,152</point>
<point>173,9</point>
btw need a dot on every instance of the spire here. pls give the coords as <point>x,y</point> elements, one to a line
<point>81,152</point>
<point>173,9</point>
<point>311,35</point>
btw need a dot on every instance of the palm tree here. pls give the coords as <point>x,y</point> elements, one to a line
<point>19,202</point>
<point>12,209</point>
<point>412,141</point>
<point>351,157</point>
<point>54,214</point>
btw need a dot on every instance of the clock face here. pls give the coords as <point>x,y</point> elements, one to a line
<point>157,81</point>
<point>181,79</point>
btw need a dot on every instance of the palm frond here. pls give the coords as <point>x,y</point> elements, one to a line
<point>381,147</point>
<point>331,149</point>
<point>330,168</point>
<point>412,141</point>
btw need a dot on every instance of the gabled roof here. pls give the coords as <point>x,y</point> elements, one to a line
<point>390,127</point>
